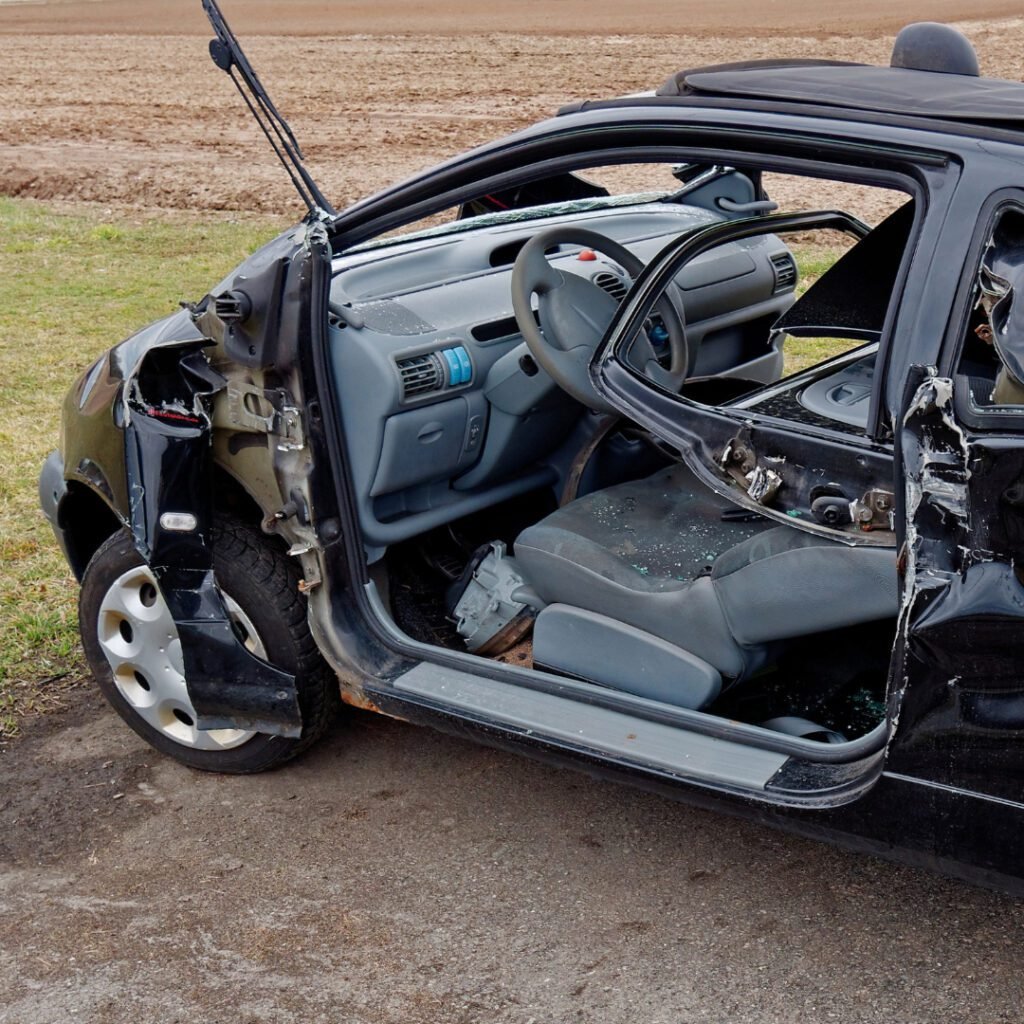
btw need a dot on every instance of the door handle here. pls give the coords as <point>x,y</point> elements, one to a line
<point>757,206</point>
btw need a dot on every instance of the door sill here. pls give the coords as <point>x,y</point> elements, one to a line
<point>611,734</point>
<point>440,663</point>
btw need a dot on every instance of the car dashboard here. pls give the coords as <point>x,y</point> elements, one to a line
<point>443,408</point>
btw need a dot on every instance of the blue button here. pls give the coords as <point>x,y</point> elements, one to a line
<point>467,367</point>
<point>454,367</point>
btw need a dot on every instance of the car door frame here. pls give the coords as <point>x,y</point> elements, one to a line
<point>693,430</point>
<point>355,633</point>
<point>963,703</point>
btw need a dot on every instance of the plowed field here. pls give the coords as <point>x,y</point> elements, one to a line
<point>145,120</point>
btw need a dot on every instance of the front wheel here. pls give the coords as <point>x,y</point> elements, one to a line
<point>133,649</point>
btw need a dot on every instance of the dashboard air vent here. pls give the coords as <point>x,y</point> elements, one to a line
<point>234,307</point>
<point>420,375</point>
<point>613,285</point>
<point>785,271</point>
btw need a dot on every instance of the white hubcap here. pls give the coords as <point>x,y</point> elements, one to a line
<point>140,641</point>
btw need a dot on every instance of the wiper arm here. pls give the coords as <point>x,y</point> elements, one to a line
<point>228,55</point>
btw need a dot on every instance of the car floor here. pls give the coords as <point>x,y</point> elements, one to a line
<point>836,679</point>
<point>421,571</point>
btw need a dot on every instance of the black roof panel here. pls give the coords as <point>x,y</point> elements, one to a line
<point>929,94</point>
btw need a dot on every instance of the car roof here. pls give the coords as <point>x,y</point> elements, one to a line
<point>933,83</point>
<point>905,92</point>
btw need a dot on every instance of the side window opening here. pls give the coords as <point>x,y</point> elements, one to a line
<point>817,253</point>
<point>773,442</point>
<point>991,368</point>
<point>852,295</point>
<point>845,290</point>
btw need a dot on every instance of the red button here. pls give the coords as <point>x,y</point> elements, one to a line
<point>587,255</point>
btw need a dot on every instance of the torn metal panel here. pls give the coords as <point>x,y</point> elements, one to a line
<point>169,462</point>
<point>936,474</point>
<point>960,634</point>
<point>763,484</point>
<point>760,481</point>
<point>762,463</point>
<point>724,446</point>
<point>261,418</point>
<point>229,687</point>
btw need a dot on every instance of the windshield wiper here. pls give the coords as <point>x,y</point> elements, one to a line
<point>228,55</point>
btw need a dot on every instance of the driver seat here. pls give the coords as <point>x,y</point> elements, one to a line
<point>661,588</point>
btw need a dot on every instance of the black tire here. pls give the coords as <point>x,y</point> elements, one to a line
<point>264,583</point>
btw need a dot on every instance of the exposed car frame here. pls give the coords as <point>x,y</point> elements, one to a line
<point>151,442</point>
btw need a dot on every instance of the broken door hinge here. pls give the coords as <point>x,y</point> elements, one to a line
<point>290,429</point>
<point>270,412</point>
<point>740,461</point>
<point>875,511</point>
<point>305,586</point>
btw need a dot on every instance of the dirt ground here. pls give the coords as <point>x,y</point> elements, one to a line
<point>398,876</point>
<point>395,875</point>
<point>564,17</point>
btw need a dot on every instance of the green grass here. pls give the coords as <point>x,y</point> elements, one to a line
<point>813,260</point>
<point>73,284</point>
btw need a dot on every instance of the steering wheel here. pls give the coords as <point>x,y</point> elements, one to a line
<point>574,314</point>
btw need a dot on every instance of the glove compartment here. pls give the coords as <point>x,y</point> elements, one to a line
<point>435,442</point>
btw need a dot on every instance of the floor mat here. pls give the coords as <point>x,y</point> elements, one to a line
<point>417,601</point>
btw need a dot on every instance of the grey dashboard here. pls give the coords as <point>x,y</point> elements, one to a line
<point>444,410</point>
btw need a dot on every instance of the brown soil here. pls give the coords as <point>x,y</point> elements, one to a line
<point>148,121</point>
<point>318,18</point>
<point>398,876</point>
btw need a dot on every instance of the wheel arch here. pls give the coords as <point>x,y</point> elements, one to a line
<point>86,520</point>
<point>232,498</point>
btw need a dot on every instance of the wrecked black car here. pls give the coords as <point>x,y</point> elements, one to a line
<point>597,443</point>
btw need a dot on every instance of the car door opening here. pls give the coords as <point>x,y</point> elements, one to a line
<point>637,580</point>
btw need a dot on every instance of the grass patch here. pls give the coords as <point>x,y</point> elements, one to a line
<point>74,284</point>
<point>813,260</point>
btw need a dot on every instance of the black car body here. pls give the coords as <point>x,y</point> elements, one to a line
<point>346,394</point>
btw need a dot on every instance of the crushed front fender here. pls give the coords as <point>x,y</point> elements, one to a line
<point>169,472</point>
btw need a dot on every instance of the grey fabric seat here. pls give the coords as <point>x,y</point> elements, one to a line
<point>657,555</point>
